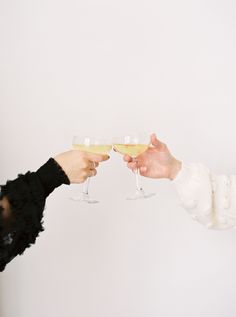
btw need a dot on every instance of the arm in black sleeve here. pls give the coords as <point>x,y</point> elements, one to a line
<point>26,197</point>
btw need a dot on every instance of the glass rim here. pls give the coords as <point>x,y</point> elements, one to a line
<point>91,140</point>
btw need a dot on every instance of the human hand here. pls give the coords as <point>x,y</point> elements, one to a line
<point>156,161</point>
<point>79,165</point>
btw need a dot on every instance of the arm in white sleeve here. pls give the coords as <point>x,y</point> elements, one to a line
<point>210,199</point>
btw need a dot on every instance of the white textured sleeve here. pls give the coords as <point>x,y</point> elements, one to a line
<point>209,199</point>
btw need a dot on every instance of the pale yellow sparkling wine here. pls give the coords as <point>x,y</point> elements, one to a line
<point>132,150</point>
<point>96,149</point>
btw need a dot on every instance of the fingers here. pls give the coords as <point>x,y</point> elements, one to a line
<point>143,170</point>
<point>133,165</point>
<point>91,173</point>
<point>127,158</point>
<point>97,157</point>
<point>92,165</point>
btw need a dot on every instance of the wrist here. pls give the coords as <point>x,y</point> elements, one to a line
<point>51,176</point>
<point>175,169</point>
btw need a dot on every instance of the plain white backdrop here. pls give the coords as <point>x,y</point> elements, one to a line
<point>109,68</point>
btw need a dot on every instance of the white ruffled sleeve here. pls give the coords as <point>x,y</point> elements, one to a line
<point>209,199</point>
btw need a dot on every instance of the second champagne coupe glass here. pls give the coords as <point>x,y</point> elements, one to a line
<point>134,145</point>
<point>91,145</point>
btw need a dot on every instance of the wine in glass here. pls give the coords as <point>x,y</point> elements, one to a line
<point>91,145</point>
<point>134,145</point>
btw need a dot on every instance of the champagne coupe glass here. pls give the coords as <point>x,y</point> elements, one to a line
<point>134,145</point>
<point>91,145</point>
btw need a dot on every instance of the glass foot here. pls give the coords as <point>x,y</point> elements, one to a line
<point>84,198</point>
<point>140,194</point>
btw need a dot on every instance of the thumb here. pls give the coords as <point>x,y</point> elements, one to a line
<point>155,142</point>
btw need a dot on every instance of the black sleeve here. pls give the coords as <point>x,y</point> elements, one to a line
<point>26,196</point>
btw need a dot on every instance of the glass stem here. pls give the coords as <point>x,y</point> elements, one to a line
<point>138,182</point>
<point>86,186</point>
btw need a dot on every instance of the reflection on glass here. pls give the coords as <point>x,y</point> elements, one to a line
<point>134,146</point>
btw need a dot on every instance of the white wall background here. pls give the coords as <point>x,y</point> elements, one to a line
<point>109,68</point>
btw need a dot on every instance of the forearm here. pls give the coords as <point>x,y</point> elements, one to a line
<point>209,199</point>
<point>21,208</point>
